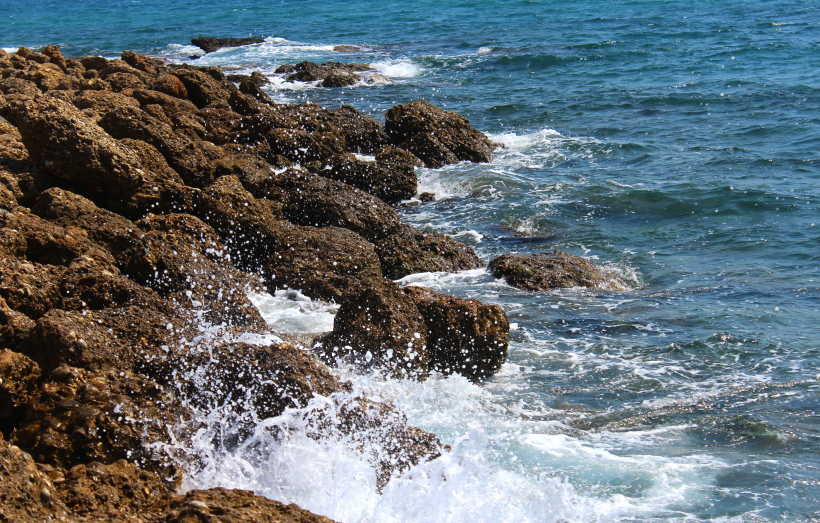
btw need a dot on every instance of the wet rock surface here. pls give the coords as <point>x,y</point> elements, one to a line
<point>553,270</point>
<point>210,44</point>
<point>140,202</point>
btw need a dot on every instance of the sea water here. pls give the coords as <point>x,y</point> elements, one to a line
<point>674,142</point>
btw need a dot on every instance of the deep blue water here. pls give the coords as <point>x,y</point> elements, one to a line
<point>674,141</point>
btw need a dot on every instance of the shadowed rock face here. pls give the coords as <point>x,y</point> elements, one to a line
<point>465,337</point>
<point>379,326</point>
<point>410,250</point>
<point>436,136</point>
<point>553,270</point>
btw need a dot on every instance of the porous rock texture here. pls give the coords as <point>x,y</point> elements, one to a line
<point>553,270</point>
<point>140,203</point>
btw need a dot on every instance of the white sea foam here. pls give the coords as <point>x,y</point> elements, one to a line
<point>292,312</point>
<point>397,68</point>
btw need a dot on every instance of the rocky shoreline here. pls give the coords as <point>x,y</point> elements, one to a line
<point>140,200</point>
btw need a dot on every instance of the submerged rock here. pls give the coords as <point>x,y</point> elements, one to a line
<point>553,270</point>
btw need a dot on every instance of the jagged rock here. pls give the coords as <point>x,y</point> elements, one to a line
<point>220,126</point>
<point>27,236</point>
<point>19,86</point>
<point>120,488</point>
<point>305,146</point>
<point>19,376</point>
<point>55,56</point>
<point>210,44</point>
<point>24,180</point>
<point>387,182</point>
<point>29,288</point>
<point>171,104</point>
<point>466,337</point>
<point>377,325</point>
<point>117,66</point>
<point>102,102</point>
<point>58,136</point>
<point>411,250</point>
<point>442,133</point>
<point>15,326</point>
<point>81,417</point>
<point>308,199</point>
<point>219,504</point>
<point>11,143</point>
<point>141,62</point>
<point>97,63</point>
<point>182,258</point>
<point>170,85</point>
<point>203,89</point>
<point>105,228</point>
<point>255,380</point>
<point>191,158</point>
<point>319,262</point>
<point>124,82</point>
<point>553,270</point>
<point>26,494</point>
<point>311,71</point>
<point>338,78</point>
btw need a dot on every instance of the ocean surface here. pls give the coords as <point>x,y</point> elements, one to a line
<point>674,141</point>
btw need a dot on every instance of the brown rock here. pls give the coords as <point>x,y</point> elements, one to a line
<point>103,101</point>
<point>203,89</point>
<point>411,250</point>
<point>117,66</point>
<point>451,130</point>
<point>19,376</point>
<point>55,56</point>
<point>553,270</point>
<point>339,78</point>
<point>383,181</point>
<point>209,44</point>
<point>97,63</point>
<point>140,61</point>
<point>11,143</point>
<point>345,48</point>
<point>26,493</point>
<point>121,81</point>
<point>378,326</point>
<point>15,326</point>
<point>24,180</point>
<point>308,199</point>
<point>81,416</point>
<point>191,158</point>
<point>30,289</point>
<point>465,337</point>
<point>95,489</point>
<point>20,86</point>
<point>171,105</point>
<point>170,85</point>
<point>218,505</point>
<point>305,146</point>
<point>58,136</point>
<point>261,380</point>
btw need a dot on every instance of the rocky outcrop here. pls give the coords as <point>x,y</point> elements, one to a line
<point>210,44</point>
<point>464,337</point>
<point>378,326</point>
<point>436,136</point>
<point>553,270</point>
<point>19,377</point>
<point>410,250</point>
<point>81,417</point>
<point>26,493</point>
<point>331,74</point>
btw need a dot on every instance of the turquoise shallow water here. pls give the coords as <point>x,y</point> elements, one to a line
<point>675,141</point>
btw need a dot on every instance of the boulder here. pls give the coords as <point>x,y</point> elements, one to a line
<point>203,89</point>
<point>96,63</point>
<point>379,326</point>
<point>305,146</point>
<point>410,250</point>
<point>29,289</point>
<point>190,157</point>
<point>253,380</point>
<point>553,270</point>
<point>59,137</point>
<point>11,143</point>
<point>19,376</point>
<point>311,71</point>
<point>170,85</point>
<point>55,56</point>
<point>308,199</point>
<point>339,78</point>
<point>141,62</point>
<point>13,85</point>
<point>25,180</point>
<point>102,102</point>
<point>121,81</point>
<point>389,182</point>
<point>170,104</point>
<point>26,494</point>
<point>465,337</point>
<point>210,44</point>
<point>81,417</point>
<point>446,133</point>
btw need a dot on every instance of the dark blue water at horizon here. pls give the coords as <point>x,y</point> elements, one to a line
<point>675,142</point>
